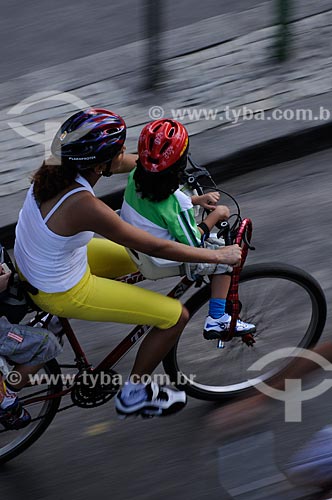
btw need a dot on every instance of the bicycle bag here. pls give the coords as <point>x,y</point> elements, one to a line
<point>14,301</point>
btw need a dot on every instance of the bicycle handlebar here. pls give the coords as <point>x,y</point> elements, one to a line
<point>239,233</point>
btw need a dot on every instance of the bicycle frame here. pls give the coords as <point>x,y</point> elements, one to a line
<point>242,239</point>
<point>110,361</point>
<point>87,385</point>
<point>131,339</point>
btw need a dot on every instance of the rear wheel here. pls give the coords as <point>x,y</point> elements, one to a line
<point>288,307</point>
<point>12,443</point>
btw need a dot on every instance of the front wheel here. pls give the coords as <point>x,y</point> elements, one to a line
<point>42,402</point>
<point>288,307</point>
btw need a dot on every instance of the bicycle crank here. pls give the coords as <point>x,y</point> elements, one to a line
<point>94,389</point>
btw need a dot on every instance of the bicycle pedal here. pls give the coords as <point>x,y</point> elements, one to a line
<point>121,416</point>
<point>150,413</point>
<point>212,335</point>
<point>146,416</point>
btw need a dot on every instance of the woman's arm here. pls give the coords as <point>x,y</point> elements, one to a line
<point>91,214</point>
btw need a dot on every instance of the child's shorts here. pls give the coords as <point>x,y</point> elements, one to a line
<point>204,269</point>
<point>26,345</point>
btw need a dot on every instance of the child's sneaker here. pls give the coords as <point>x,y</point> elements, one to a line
<point>14,417</point>
<point>215,327</point>
<point>153,401</point>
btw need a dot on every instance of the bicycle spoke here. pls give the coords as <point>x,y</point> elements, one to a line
<point>43,407</point>
<point>288,308</point>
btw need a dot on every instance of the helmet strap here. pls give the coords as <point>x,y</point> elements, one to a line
<point>107,172</point>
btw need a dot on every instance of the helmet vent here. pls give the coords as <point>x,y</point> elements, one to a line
<point>171,132</point>
<point>164,147</point>
<point>111,131</point>
<point>155,161</point>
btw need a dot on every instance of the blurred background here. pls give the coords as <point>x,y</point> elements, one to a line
<point>142,58</point>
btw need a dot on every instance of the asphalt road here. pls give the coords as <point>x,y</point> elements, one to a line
<point>39,34</point>
<point>88,454</point>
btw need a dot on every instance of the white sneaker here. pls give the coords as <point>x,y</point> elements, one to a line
<point>158,401</point>
<point>215,327</point>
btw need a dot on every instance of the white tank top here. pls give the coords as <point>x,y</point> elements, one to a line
<point>50,262</point>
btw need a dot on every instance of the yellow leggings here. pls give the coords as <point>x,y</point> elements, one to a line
<point>99,298</point>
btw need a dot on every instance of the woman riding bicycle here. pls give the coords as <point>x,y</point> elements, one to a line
<point>57,253</point>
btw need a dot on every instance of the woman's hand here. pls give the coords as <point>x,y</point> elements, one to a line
<point>4,278</point>
<point>230,255</point>
<point>207,201</point>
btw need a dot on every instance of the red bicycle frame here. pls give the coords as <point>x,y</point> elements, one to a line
<point>243,239</point>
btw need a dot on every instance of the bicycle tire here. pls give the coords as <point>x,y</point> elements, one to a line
<point>20,440</point>
<point>182,365</point>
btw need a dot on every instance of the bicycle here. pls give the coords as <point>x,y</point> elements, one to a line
<point>194,364</point>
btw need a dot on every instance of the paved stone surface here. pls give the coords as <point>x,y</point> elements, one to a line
<point>174,458</point>
<point>207,68</point>
<point>115,23</point>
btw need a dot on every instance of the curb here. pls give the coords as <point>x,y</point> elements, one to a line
<point>264,154</point>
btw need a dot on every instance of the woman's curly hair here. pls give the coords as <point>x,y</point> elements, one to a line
<point>52,178</point>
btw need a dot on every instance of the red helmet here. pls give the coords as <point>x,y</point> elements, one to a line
<point>161,144</point>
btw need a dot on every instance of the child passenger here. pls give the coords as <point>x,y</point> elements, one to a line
<point>154,202</point>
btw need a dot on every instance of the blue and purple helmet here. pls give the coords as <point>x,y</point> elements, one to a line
<point>89,137</point>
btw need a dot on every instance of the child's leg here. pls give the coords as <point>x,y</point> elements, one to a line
<point>22,344</point>
<point>24,372</point>
<point>2,389</point>
<point>29,348</point>
<point>219,289</point>
<point>220,284</point>
<point>12,415</point>
<point>218,320</point>
<point>220,213</point>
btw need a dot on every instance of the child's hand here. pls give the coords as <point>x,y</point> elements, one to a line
<point>207,201</point>
<point>4,278</point>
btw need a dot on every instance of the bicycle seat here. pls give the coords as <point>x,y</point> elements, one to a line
<point>154,268</point>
